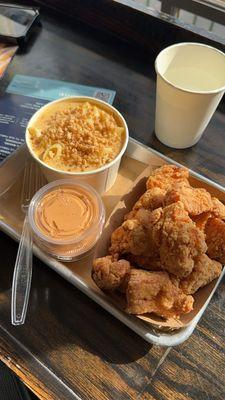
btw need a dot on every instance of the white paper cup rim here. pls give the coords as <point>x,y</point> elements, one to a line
<point>197,92</point>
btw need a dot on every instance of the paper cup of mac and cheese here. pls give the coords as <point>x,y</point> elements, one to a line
<point>78,137</point>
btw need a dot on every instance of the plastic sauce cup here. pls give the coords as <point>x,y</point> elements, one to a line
<point>66,218</point>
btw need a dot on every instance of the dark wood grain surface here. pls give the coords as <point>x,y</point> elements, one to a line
<point>69,347</point>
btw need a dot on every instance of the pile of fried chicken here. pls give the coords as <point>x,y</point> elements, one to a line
<point>169,245</point>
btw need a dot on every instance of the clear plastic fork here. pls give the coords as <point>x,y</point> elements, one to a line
<point>32,181</point>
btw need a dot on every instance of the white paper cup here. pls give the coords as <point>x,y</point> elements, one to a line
<point>190,85</point>
<point>102,179</point>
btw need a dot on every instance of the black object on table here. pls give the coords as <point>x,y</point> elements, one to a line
<point>11,387</point>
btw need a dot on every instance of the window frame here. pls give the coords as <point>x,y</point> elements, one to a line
<point>143,26</point>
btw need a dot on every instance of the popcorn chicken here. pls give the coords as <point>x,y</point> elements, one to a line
<point>181,241</point>
<point>164,240</point>
<point>215,239</point>
<point>110,274</point>
<point>204,271</point>
<point>166,176</point>
<point>195,200</point>
<point>218,208</point>
<point>154,292</point>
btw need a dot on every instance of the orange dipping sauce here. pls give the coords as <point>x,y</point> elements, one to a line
<point>65,213</point>
<point>66,218</point>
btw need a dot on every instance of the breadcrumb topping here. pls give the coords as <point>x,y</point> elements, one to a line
<point>82,137</point>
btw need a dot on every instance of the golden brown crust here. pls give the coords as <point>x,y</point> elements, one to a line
<point>170,241</point>
<point>135,235</point>
<point>204,271</point>
<point>109,274</point>
<point>154,292</point>
<point>166,176</point>
<point>149,263</point>
<point>218,208</point>
<point>167,234</point>
<point>201,220</point>
<point>131,237</point>
<point>181,241</point>
<point>151,199</point>
<point>215,239</point>
<point>195,200</point>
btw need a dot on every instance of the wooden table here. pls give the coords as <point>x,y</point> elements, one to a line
<point>69,347</point>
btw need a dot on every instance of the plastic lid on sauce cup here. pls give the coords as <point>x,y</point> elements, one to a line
<point>72,244</point>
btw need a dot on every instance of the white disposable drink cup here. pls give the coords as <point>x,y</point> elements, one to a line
<point>190,85</point>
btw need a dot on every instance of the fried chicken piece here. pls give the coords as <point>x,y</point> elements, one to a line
<point>204,271</point>
<point>195,200</point>
<point>130,237</point>
<point>152,221</point>
<point>180,240</point>
<point>145,217</point>
<point>151,199</point>
<point>201,220</point>
<point>109,274</point>
<point>166,176</point>
<point>218,208</point>
<point>148,218</point>
<point>150,263</point>
<point>215,239</point>
<point>149,292</point>
<point>130,215</point>
<point>167,234</point>
<point>161,180</point>
<point>135,235</point>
